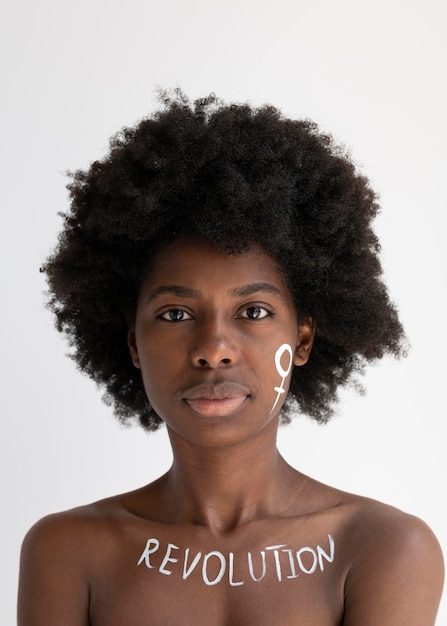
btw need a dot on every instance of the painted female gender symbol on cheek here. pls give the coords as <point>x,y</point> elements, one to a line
<point>281,371</point>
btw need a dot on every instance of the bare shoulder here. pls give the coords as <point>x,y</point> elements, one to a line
<point>395,571</point>
<point>74,532</point>
<point>75,527</point>
<point>59,558</point>
<point>378,529</point>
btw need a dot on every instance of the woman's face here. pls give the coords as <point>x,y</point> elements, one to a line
<point>216,337</point>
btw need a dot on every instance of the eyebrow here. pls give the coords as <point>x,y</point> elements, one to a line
<point>175,290</point>
<point>237,292</point>
<point>252,288</point>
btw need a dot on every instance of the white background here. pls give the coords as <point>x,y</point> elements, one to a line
<point>74,72</point>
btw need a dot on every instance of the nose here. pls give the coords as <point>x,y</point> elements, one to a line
<point>214,346</point>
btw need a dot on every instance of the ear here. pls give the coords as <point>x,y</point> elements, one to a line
<point>306,334</point>
<point>131,342</point>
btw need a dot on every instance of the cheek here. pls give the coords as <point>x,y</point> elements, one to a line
<point>156,370</point>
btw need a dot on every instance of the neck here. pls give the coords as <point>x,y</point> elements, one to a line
<point>224,487</point>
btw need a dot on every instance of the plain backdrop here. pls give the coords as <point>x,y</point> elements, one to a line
<point>73,73</point>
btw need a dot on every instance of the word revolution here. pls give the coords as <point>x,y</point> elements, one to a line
<point>285,562</point>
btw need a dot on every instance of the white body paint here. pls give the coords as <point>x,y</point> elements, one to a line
<point>281,371</point>
<point>223,566</point>
<point>286,562</point>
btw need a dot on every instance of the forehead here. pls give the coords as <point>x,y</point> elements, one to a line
<point>191,260</point>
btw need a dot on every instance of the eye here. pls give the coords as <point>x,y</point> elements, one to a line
<point>175,315</point>
<point>255,313</point>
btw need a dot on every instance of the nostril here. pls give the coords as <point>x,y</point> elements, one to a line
<point>205,363</point>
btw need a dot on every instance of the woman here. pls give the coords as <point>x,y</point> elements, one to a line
<point>218,272</point>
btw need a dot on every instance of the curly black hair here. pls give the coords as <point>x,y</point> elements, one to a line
<point>235,175</point>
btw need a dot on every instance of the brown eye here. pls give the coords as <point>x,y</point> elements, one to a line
<point>255,313</point>
<point>175,315</point>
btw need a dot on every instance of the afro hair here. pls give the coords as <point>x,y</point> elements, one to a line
<point>235,175</point>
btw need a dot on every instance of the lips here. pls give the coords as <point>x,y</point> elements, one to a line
<point>216,399</point>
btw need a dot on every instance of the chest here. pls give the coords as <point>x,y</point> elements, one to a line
<point>168,582</point>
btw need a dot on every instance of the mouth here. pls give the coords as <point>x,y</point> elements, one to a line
<point>216,399</point>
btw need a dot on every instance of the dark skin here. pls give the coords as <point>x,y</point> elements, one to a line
<point>207,328</point>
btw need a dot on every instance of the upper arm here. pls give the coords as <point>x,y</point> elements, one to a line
<point>397,577</point>
<point>53,586</point>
